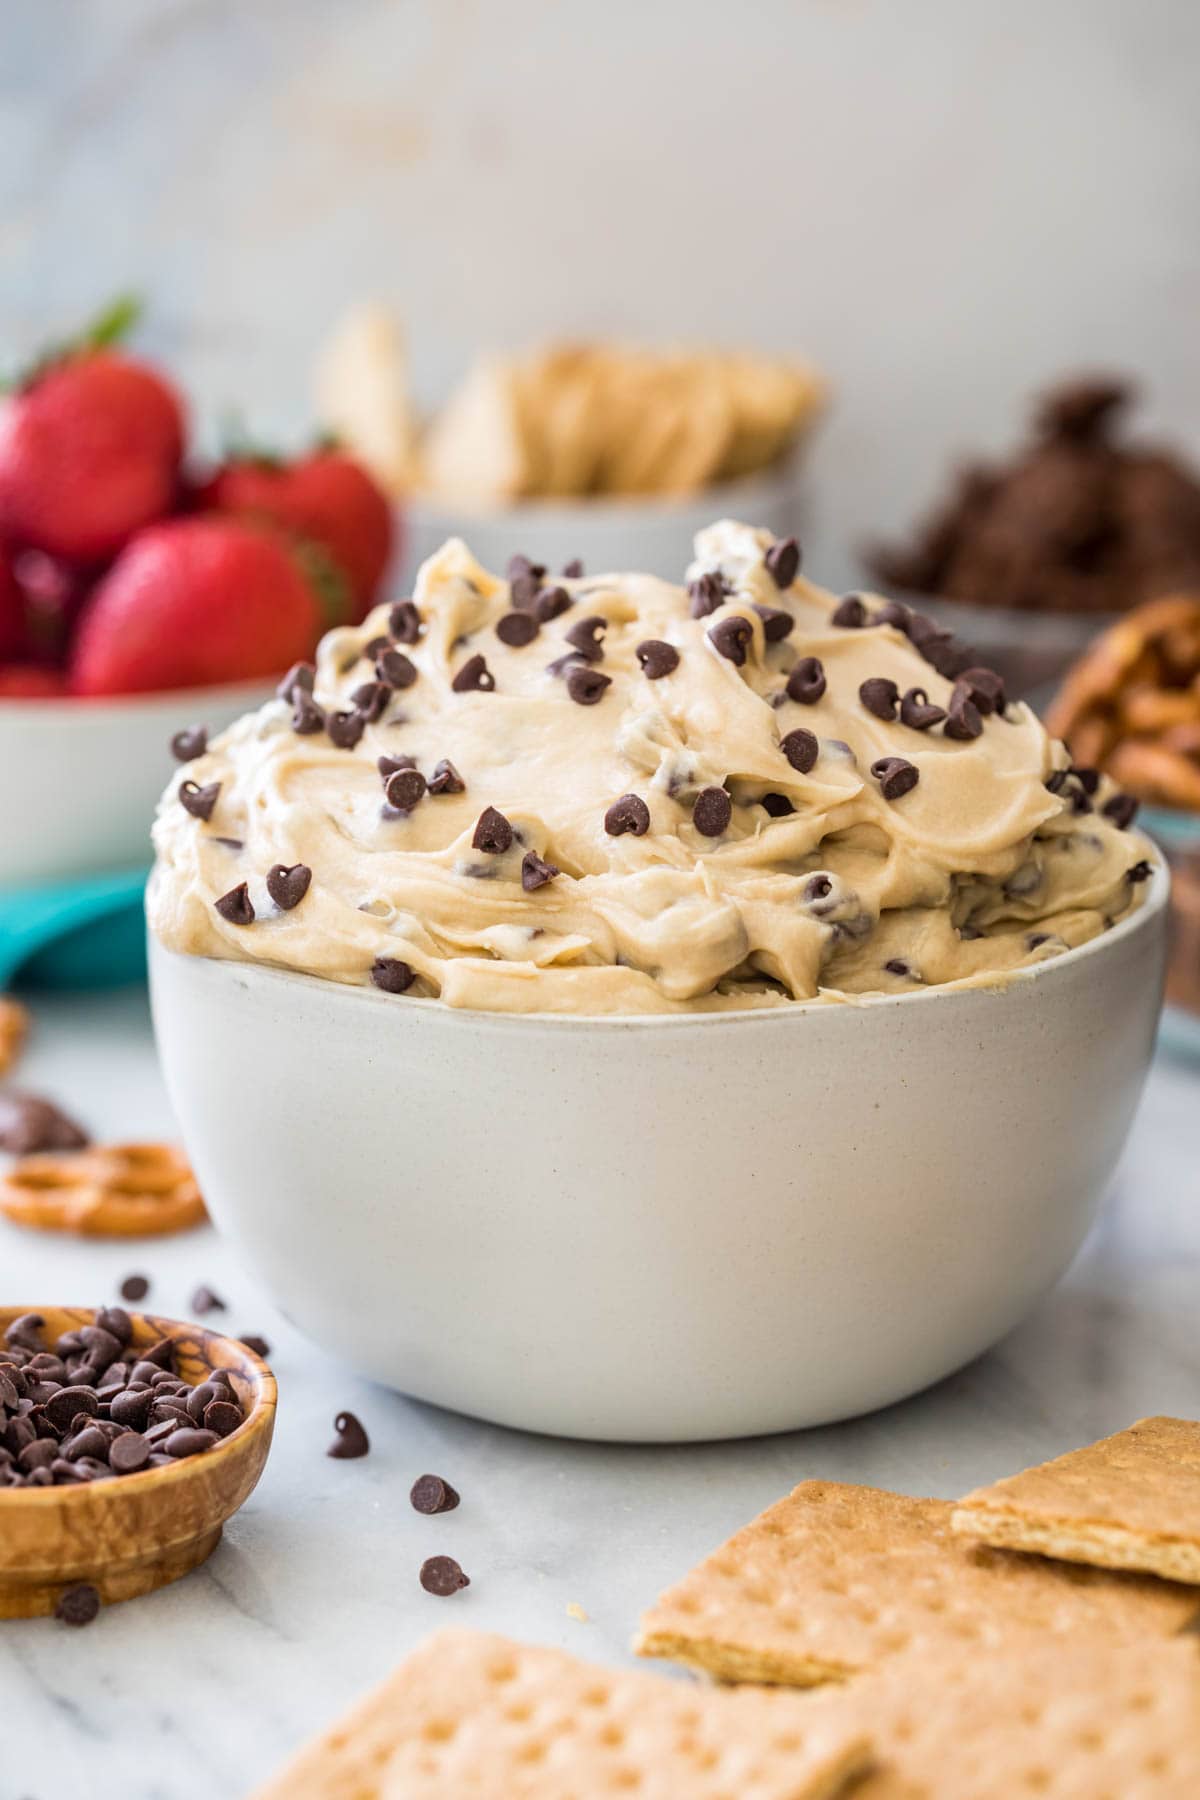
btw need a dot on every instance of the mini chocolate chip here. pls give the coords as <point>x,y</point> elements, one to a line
<point>307,717</point>
<point>985,688</point>
<point>258,1345</point>
<point>535,873</point>
<point>134,1287</point>
<point>288,886</point>
<point>1120,810</point>
<point>1036,939</point>
<point>940,649</point>
<point>388,765</point>
<point>187,745</point>
<point>880,696</point>
<point>895,775</point>
<point>345,728</point>
<point>964,721</point>
<point>236,905</point>
<point>818,887</point>
<point>446,779</point>
<point>298,680</point>
<point>523,592</point>
<point>707,593</point>
<point>918,712</point>
<point>404,622</point>
<point>430,1494</point>
<point>520,566</point>
<point>1141,871</point>
<point>1088,779</point>
<point>712,812</point>
<point>586,686</point>
<point>731,638</point>
<point>516,629</point>
<point>583,636</point>
<point>657,658</point>
<point>572,570</point>
<point>205,1301</point>
<point>222,1416</point>
<point>849,613</point>
<point>894,612</point>
<point>777,805</point>
<point>550,603</point>
<point>371,700</point>
<point>230,843</point>
<point>78,1605</point>
<point>351,1440</point>
<point>375,648</point>
<point>393,976</point>
<point>801,749</point>
<point>474,675</point>
<point>493,833</point>
<point>404,789</point>
<point>776,623</point>
<point>394,668</point>
<point>629,813</point>
<point>197,800</point>
<point>783,561</point>
<point>128,1453</point>
<point>806,683</point>
<point>28,1123</point>
<point>441,1575</point>
<point>897,966</point>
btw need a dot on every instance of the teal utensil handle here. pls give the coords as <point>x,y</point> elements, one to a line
<point>80,934</point>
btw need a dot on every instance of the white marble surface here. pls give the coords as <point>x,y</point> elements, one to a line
<point>198,1691</point>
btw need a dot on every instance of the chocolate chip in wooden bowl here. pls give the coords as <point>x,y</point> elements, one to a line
<point>964,721</point>
<point>236,906</point>
<point>806,683</point>
<point>474,676</point>
<point>446,779</point>
<point>287,886</point>
<point>404,622</point>
<point>429,1494</point>
<point>535,872</point>
<point>351,1440</point>
<point>1120,810</point>
<point>628,814</point>
<point>880,696</point>
<point>134,1287</point>
<point>585,635</point>
<point>442,1576</point>
<point>586,685</point>
<point>707,592</point>
<point>204,1301</point>
<point>78,1605</point>
<point>393,976</point>
<point>551,603</point>
<point>712,812</point>
<point>128,1453</point>
<point>516,629</point>
<point>307,717</point>
<point>782,561</point>
<point>776,623</point>
<point>395,669</point>
<point>199,801</point>
<point>850,613</point>
<point>345,728</point>
<point>404,789</point>
<point>298,680</point>
<point>896,776</point>
<point>801,749</point>
<point>918,712</point>
<point>493,834</point>
<point>657,658</point>
<point>28,1123</point>
<point>190,743</point>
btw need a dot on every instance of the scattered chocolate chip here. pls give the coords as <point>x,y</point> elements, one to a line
<point>258,1345</point>
<point>134,1287</point>
<point>236,905</point>
<point>520,568</point>
<point>392,975</point>
<point>205,1301</point>
<point>516,629</point>
<point>712,812</point>
<point>388,765</point>
<point>806,683</point>
<point>493,833</point>
<point>446,779</point>
<point>629,813</point>
<point>430,1494</point>
<point>895,775</point>
<point>964,721</point>
<point>984,688</point>
<point>351,1440</point>
<point>404,789</point>
<point>298,680</point>
<point>783,561</point>
<point>523,593</point>
<point>1036,939</point>
<point>801,749</point>
<point>776,623</point>
<point>584,636</point>
<point>197,800</point>
<point>288,886</point>
<point>228,842</point>
<point>345,728</point>
<point>1088,779</point>
<point>307,717</point>
<point>573,570</point>
<point>880,697</point>
<point>1141,871</point>
<point>375,648</point>
<point>918,712</point>
<point>707,592</point>
<point>777,805</point>
<point>28,1123</point>
<point>657,658</point>
<point>940,648</point>
<point>894,612</point>
<point>187,745</point>
<point>897,966</point>
<point>441,1575</point>
<point>474,675</point>
<point>404,622</point>
<point>78,1605</point>
<point>371,700</point>
<point>535,873</point>
<point>731,638</point>
<point>586,686</point>
<point>394,668</point>
<point>128,1453</point>
<point>1120,810</point>
<point>550,603</point>
<point>849,613</point>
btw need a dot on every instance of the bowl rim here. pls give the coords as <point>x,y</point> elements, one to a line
<point>1151,910</point>
<point>261,1415</point>
<point>62,708</point>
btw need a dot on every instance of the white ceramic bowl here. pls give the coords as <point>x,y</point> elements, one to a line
<point>661,1228</point>
<point>79,779</point>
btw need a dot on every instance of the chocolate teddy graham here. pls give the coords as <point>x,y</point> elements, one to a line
<point>611,794</point>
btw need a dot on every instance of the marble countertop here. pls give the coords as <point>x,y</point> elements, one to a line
<point>200,1690</point>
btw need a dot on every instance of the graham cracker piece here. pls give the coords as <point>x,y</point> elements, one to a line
<point>14,1028</point>
<point>470,1713</point>
<point>1131,1501</point>
<point>835,1579</point>
<point>478,448</point>
<point>1055,1721</point>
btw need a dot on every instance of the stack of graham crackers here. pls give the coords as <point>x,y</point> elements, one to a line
<point>1038,1639</point>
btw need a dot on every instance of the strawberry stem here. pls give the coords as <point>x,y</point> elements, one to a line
<point>111,326</point>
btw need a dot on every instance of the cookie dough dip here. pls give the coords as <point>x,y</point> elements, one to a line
<point>607,794</point>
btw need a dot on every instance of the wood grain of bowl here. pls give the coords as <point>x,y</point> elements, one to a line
<point>135,1533</point>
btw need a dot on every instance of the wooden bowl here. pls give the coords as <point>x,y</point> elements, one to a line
<point>136,1532</point>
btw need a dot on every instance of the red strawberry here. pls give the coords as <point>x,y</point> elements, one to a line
<point>326,497</point>
<point>194,602</point>
<point>89,453</point>
<point>12,612</point>
<point>28,681</point>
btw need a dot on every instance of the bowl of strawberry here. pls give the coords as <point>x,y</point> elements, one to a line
<point>142,597</point>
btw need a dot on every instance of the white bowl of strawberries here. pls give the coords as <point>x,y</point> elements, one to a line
<point>139,600</point>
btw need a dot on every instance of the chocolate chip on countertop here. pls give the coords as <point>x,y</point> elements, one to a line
<point>712,812</point>
<point>535,873</point>
<point>394,668</point>
<point>28,1123</point>
<point>393,976</point>
<point>806,683</point>
<point>516,629</point>
<point>573,570</point>
<point>896,776</point>
<point>586,685</point>
<point>783,561</point>
<point>307,717</point>
<point>585,635</point>
<point>964,721</point>
<point>345,728</point>
<point>918,712</point>
<point>550,603</point>
<point>78,1605</point>
<point>776,623</point>
<point>778,806</point>
<point>446,779</point>
<point>288,886</point>
<point>657,658</point>
<point>707,592</point>
<point>731,638</point>
<point>236,905</point>
<point>404,622</point>
<point>351,1439</point>
<point>880,697</point>
<point>474,676</point>
<point>187,745</point>
<point>205,1301</point>
<point>258,1345</point>
<point>197,800</point>
<point>849,613</point>
<point>430,1494</point>
<point>1120,810</point>
<point>801,749</point>
<point>134,1287</point>
<point>629,813</point>
<point>493,834</point>
<point>298,680</point>
<point>441,1575</point>
<point>404,789</point>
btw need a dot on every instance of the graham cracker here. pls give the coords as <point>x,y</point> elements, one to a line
<point>472,1714</point>
<point>1059,1721</point>
<point>835,1579</point>
<point>1131,1501</point>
